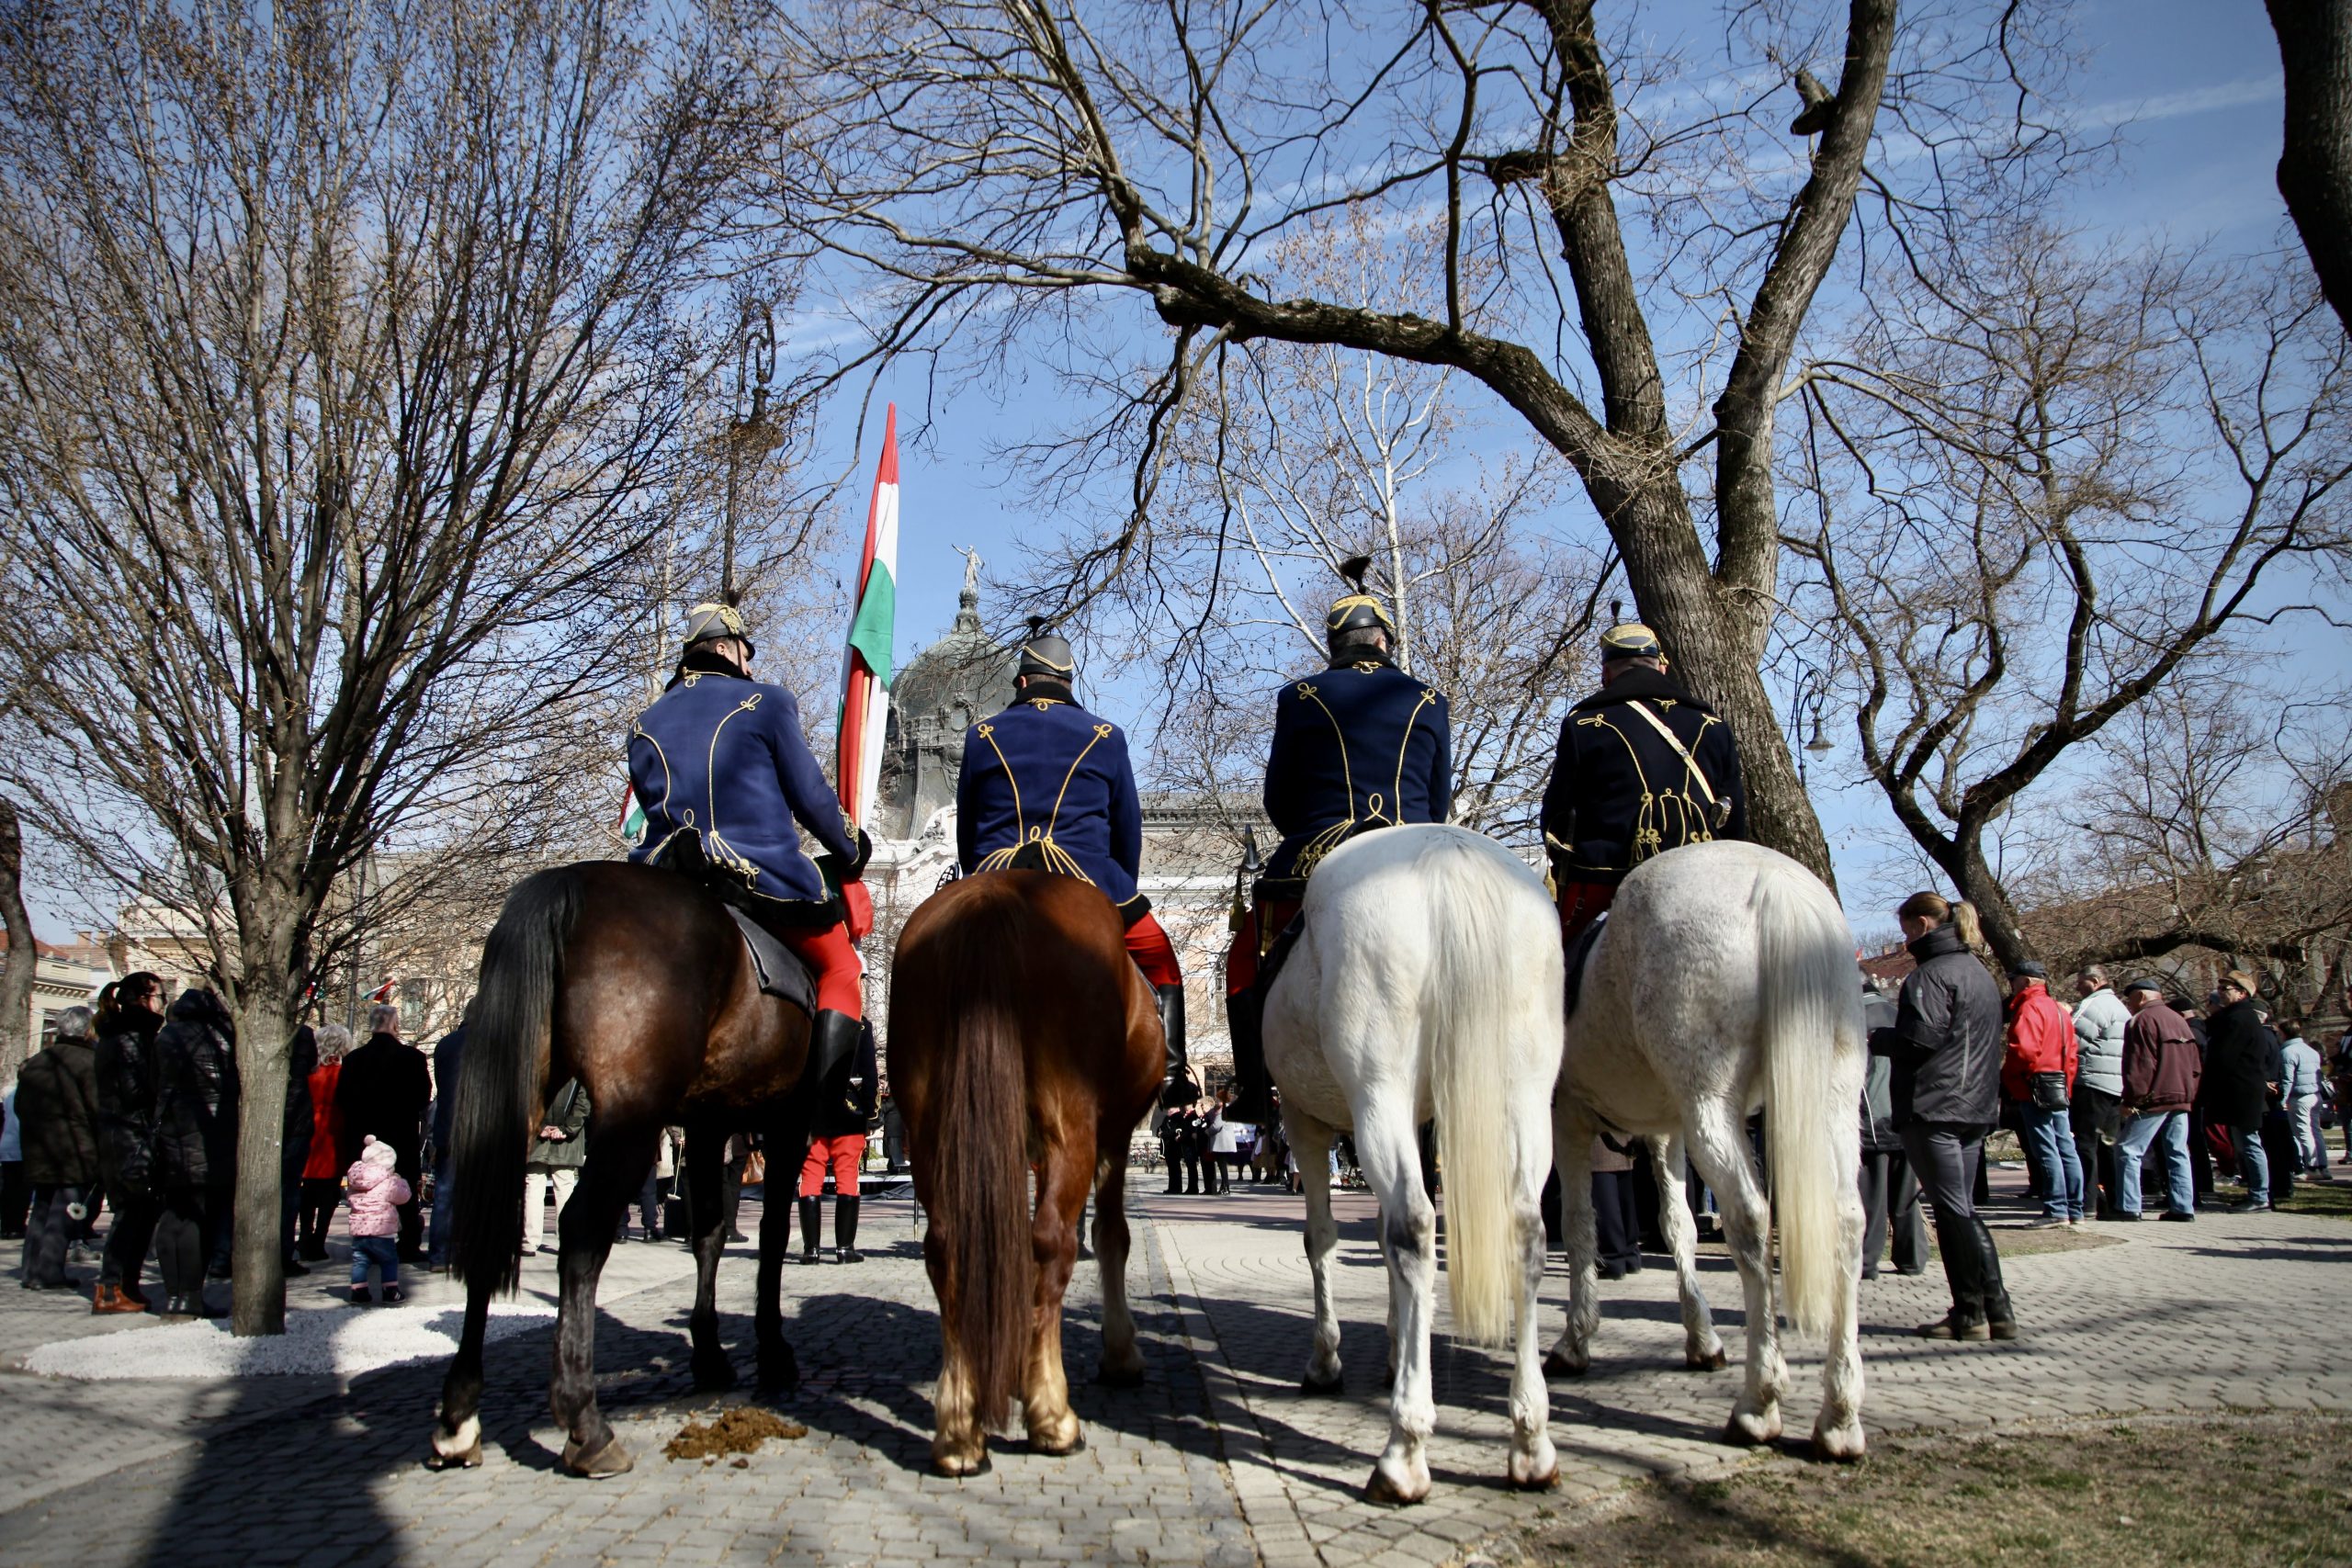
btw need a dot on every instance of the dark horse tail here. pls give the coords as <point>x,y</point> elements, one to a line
<point>971,1011</point>
<point>502,1076</point>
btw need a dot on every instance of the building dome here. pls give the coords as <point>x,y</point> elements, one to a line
<point>964,676</point>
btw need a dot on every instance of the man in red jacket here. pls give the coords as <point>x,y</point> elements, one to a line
<point>2160,1073</point>
<point>2038,1072</point>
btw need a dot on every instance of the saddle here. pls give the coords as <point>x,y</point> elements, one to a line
<point>781,974</point>
<point>1579,951</point>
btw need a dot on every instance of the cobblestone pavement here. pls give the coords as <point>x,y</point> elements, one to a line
<point>1216,1460</point>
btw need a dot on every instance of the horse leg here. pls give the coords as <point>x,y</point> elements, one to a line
<point>1534,1464</point>
<point>1391,1162</point>
<point>1719,1148</point>
<point>779,1368</point>
<point>1312,1141</point>
<point>457,1437</point>
<point>1837,1430</point>
<point>1062,1180</point>
<point>1702,1352</point>
<point>705,1215</point>
<point>1572,1136</point>
<point>958,1444</point>
<point>618,1158</point>
<point>1122,1362</point>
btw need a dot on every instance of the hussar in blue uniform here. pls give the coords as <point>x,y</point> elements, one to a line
<point>727,781</point>
<point>1357,745</point>
<point>1643,767</point>
<point>1049,786</point>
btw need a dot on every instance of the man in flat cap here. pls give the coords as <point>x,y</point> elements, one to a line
<point>723,774</point>
<point>1643,767</point>
<point>1047,785</point>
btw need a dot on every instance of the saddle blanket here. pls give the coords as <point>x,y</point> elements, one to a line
<point>1579,951</point>
<point>781,975</point>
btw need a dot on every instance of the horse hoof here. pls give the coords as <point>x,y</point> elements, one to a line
<point>611,1460</point>
<point>1108,1376</point>
<point>714,1376</point>
<point>1693,1361</point>
<point>1383,1488</point>
<point>956,1470</point>
<point>1838,1444</point>
<point>1543,1482</point>
<point>460,1449</point>
<point>1557,1365</point>
<point>1076,1445</point>
<point>779,1374</point>
<point>1314,1387</point>
<point>1751,1431</point>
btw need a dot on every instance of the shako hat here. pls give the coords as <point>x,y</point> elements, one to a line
<point>711,621</point>
<point>1356,610</point>
<point>1046,654</point>
<point>1628,640</point>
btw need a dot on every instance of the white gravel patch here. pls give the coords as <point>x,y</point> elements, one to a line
<point>334,1342</point>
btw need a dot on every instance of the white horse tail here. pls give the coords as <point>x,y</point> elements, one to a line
<point>1467,1020</point>
<point>1808,1008</point>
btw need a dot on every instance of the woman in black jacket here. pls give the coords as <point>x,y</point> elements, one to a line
<point>1945,1045</point>
<point>2236,1090</point>
<point>196,1143</point>
<point>127,1026</point>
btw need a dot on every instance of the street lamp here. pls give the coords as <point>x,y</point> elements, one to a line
<point>748,431</point>
<point>1804,715</point>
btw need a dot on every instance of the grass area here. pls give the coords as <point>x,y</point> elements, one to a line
<point>2271,1489</point>
<point>2331,1200</point>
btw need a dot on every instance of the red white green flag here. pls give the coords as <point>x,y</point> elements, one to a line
<point>865,664</point>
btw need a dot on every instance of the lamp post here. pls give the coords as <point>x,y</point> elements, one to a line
<point>1804,717</point>
<point>748,431</point>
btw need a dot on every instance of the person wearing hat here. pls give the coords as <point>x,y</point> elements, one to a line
<point>2161,1075</point>
<point>1047,785</point>
<point>1643,767</point>
<point>1357,745</point>
<point>727,781</point>
<point>2039,1062</point>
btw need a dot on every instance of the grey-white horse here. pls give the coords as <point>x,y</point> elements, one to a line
<point>1724,982</point>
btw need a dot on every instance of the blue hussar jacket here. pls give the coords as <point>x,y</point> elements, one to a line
<point>719,761</point>
<point>1361,745</point>
<point>1047,777</point>
<point>1621,792</point>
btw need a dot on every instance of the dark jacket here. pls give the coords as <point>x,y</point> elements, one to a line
<point>1046,773</point>
<point>1947,1039</point>
<point>720,759</point>
<point>1361,745</point>
<point>382,1094</point>
<point>2160,1067</point>
<point>1879,1132</point>
<point>445,1058</point>
<point>846,1103</point>
<point>567,1113</point>
<point>301,1117</point>
<point>126,1079</point>
<point>1619,791</point>
<point>57,1100</point>
<point>196,1095</point>
<point>2237,1061</point>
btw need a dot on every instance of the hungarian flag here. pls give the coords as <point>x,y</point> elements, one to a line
<point>865,665</point>
<point>632,824</point>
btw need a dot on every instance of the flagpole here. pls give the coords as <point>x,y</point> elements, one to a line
<point>865,661</point>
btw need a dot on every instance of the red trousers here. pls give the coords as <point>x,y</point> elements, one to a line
<point>844,1152</point>
<point>1259,926</point>
<point>1153,953</point>
<point>830,958</point>
<point>1581,903</point>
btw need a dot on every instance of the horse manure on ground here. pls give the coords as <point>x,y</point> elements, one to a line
<point>738,1431</point>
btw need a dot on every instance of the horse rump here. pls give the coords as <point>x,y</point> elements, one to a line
<point>503,1072</point>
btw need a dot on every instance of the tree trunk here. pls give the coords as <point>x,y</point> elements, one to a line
<point>24,958</point>
<point>1981,887</point>
<point>264,1039</point>
<point>2315,169</point>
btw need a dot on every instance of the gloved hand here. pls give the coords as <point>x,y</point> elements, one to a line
<point>857,907</point>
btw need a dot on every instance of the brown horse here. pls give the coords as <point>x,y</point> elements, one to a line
<point>1020,1035</point>
<point>634,981</point>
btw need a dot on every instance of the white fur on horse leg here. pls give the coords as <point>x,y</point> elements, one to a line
<point>1837,1431</point>
<point>458,1445</point>
<point>1391,1154</point>
<point>958,1446</point>
<point>1702,1350</point>
<point>1052,1423</point>
<point>1720,1144</point>
<point>1572,1135</point>
<point>1533,1462</point>
<point>1312,1142</point>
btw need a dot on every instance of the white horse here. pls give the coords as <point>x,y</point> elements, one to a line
<point>1723,982</point>
<point>1428,980</point>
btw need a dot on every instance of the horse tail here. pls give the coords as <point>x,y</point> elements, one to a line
<point>1809,1010</point>
<point>964,1003</point>
<point>1467,1019</point>
<point>502,1074</point>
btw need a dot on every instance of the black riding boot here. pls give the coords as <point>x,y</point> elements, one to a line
<point>1965,1270</point>
<point>1171,1027</point>
<point>846,1232</point>
<point>832,1040</point>
<point>808,1229</point>
<point>2000,1318</point>
<point>1253,1090</point>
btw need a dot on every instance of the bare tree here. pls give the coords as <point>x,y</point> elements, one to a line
<point>1649,258</point>
<point>2315,158</point>
<point>24,954</point>
<point>2041,486</point>
<point>347,356</point>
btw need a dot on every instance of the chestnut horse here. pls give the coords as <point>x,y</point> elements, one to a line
<point>634,981</point>
<point>1022,1035</point>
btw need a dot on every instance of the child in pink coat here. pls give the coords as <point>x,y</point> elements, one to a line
<point>377,1194</point>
